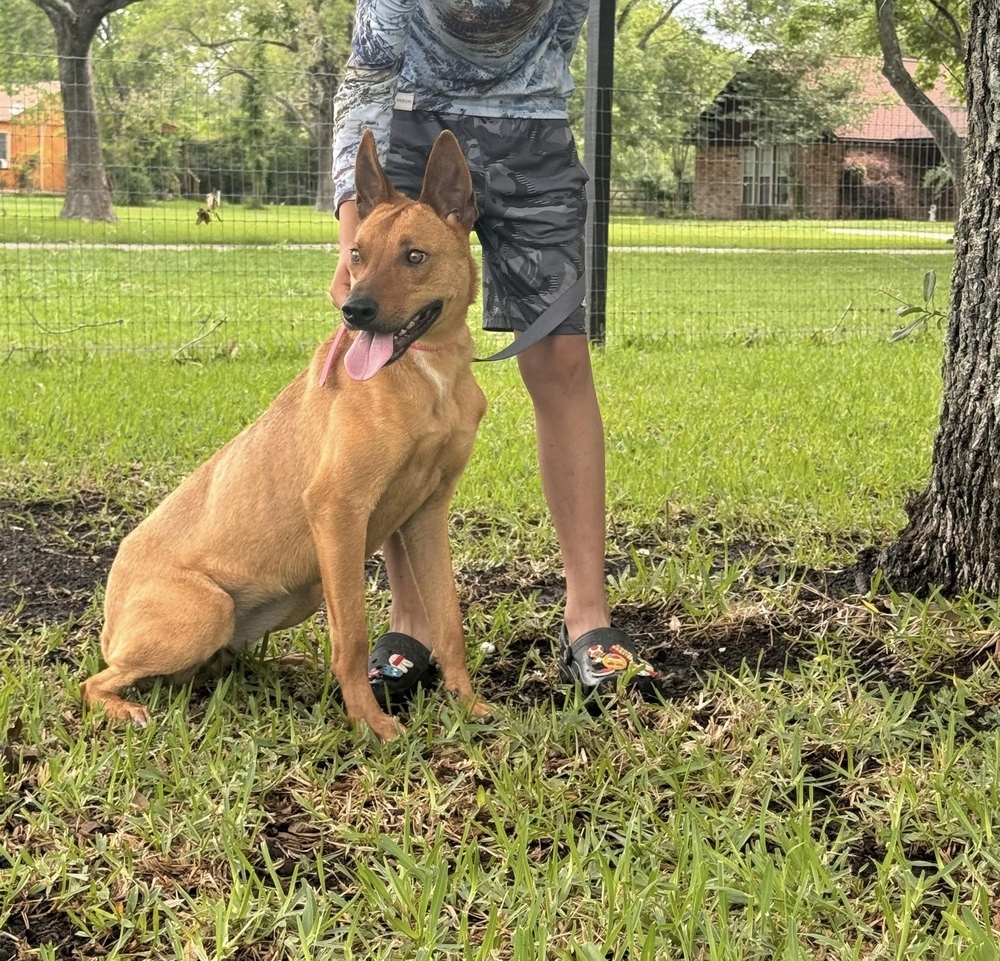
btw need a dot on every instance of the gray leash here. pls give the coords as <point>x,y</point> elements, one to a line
<point>548,320</point>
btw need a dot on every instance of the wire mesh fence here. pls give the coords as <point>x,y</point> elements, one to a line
<point>744,216</point>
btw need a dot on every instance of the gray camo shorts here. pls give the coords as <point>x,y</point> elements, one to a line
<point>531,191</point>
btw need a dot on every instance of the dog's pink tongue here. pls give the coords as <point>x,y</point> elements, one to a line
<point>368,354</point>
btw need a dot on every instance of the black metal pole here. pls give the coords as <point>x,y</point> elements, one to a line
<point>597,158</point>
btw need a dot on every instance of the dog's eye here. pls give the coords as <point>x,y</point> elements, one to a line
<point>355,256</point>
<point>416,257</point>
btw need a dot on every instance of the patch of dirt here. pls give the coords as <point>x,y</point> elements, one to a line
<point>54,555</point>
<point>36,925</point>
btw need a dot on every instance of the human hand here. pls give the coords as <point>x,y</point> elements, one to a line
<point>340,287</point>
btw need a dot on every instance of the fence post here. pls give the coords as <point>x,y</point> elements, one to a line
<point>597,158</point>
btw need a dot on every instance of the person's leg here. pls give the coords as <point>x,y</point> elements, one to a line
<point>570,436</point>
<point>531,230</point>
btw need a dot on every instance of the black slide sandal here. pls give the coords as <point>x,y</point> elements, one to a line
<point>397,666</point>
<point>599,658</point>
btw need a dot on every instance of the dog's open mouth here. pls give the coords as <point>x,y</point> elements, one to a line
<point>372,351</point>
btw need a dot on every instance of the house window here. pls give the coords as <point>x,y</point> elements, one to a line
<point>766,175</point>
<point>4,156</point>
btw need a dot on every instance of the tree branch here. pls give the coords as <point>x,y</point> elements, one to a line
<point>58,8</point>
<point>623,15</point>
<point>229,41</point>
<point>924,109</point>
<point>113,5</point>
<point>958,41</point>
<point>94,12</point>
<point>661,21</point>
<point>298,114</point>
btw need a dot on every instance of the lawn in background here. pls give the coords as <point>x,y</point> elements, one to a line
<point>271,297</point>
<point>802,440</point>
<point>36,219</point>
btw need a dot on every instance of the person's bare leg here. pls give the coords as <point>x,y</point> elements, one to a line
<point>408,614</point>
<point>570,435</point>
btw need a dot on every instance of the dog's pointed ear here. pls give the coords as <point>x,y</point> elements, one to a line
<point>371,185</point>
<point>447,184</point>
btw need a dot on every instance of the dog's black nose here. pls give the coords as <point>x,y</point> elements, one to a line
<point>360,311</point>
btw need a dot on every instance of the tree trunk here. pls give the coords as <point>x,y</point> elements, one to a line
<point>948,142</point>
<point>952,539</point>
<point>87,193</point>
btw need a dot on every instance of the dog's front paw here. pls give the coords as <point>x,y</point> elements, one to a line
<point>476,707</point>
<point>479,709</point>
<point>383,726</point>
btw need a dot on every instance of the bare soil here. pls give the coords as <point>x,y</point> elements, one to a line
<point>55,554</point>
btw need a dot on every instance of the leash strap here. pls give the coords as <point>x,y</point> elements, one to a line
<point>548,320</point>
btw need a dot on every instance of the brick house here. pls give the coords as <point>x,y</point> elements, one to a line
<point>871,167</point>
<point>32,139</point>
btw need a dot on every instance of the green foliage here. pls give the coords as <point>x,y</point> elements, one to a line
<point>666,71</point>
<point>789,96</point>
<point>29,45</point>
<point>938,180</point>
<point>932,31</point>
<point>920,316</point>
<point>252,127</point>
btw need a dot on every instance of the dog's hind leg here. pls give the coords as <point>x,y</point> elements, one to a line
<point>422,545</point>
<point>166,626</point>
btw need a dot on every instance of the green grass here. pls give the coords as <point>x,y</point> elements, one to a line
<point>266,298</point>
<point>803,439</point>
<point>808,813</point>
<point>778,235</point>
<point>836,802</point>
<point>36,219</point>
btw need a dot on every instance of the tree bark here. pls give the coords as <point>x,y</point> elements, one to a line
<point>87,194</point>
<point>952,539</point>
<point>926,111</point>
<point>75,23</point>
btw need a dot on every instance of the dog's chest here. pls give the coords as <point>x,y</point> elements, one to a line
<point>440,443</point>
<point>435,447</point>
<point>439,383</point>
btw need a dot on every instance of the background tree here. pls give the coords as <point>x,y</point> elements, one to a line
<point>146,92</point>
<point>788,96</point>
<point>29,46</point>
<point>76,23</point>
<point>301,47</point>
<point>930,31</point>
<point>666,71</point>
<point>952,539</point>
<point>927,112</point>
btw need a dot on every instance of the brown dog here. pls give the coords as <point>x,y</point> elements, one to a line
<point>285,514</point>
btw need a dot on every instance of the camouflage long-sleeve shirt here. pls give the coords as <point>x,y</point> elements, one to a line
<point>487,58</point>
